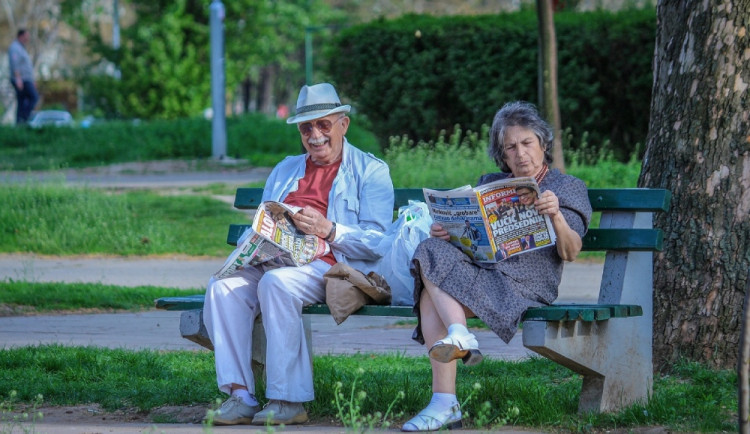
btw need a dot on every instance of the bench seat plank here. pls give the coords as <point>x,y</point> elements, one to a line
<point>556,312</point>
<point>582,312</point>
<point>370,310</point>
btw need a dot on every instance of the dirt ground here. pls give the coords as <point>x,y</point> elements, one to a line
<point>94,413</point>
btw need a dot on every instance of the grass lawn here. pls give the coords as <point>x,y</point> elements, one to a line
<point>350,390</point>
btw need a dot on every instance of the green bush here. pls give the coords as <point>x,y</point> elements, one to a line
<point>261,140</point>
<point>418,75</point>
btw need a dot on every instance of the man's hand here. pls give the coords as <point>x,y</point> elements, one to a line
<point>19,83</point>
<point>310,221</point>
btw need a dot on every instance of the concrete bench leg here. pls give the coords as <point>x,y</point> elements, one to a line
<point>616,372</point>
<point>193,329</point>
<point>614,356</point>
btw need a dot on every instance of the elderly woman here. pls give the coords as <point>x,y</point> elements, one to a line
<point>449,286</point>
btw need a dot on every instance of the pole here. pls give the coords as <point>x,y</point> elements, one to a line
<point>115,24</point>
<point>218,126</point>
<point>308,56</point>
<point>116,32</point>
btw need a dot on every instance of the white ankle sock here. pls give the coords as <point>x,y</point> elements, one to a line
<point>443,401</point>
<point>245,396</point>
<point>458,329</point>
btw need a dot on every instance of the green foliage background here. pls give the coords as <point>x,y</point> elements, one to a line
<point>162,70</point>
<point>418,75</point>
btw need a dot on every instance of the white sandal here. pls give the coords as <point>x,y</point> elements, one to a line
<point>452,347</point>
<point>431,420</point>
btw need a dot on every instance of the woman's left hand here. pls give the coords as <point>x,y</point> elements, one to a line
<point>548,204</point>
<point>568,241</point>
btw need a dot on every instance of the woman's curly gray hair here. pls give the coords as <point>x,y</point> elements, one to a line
<point>522,114</point>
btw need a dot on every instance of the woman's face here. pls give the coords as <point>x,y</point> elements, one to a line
<point>523,152</point>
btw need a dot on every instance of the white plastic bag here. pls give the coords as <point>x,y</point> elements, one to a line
<point>397,248</point>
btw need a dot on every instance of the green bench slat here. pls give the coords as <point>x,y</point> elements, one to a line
<point>595,239</point>
<point>582,312</point>
<point>188,302</point>
<point>248,198</point>
<point>630,199</point>
<point>602,199</point>
<point>235,231</point>
<point>623,239</point>
<point>566,312</point>
<point>371,310</point>
<point>402,196</point>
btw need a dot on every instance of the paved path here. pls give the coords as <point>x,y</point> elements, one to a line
<point>150,174</point>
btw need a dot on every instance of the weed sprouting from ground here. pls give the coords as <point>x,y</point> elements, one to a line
<point>25,421</point>
<point>349,409</point>
<point>484,417</point>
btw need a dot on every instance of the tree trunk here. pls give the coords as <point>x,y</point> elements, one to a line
<point>265,89</point>
<point>698,147</point>
<point>548,76</point>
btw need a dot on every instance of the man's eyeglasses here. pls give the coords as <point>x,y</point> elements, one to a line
<point>323,125</point>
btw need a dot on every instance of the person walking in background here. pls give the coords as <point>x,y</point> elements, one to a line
<point>22,77</point>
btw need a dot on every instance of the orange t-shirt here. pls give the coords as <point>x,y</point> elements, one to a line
<point>313,191</point>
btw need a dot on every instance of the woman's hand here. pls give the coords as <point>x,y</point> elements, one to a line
<point>311,221</point>
<point>437,231</point>
<point>568,241</point>
<point>547,203</point>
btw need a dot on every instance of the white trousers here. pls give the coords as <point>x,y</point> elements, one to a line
<point>229,312</point>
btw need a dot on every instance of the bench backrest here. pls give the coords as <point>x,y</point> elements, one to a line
<point>625,229</point>
<point>605,200</point>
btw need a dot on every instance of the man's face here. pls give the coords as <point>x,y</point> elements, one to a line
<point>24,38</point>
<point>525,196</point>
<point>323,138</point>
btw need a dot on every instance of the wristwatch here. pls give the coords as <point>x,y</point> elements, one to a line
<point>332,233</point>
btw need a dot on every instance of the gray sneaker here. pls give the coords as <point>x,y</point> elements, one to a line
<point>281,412</point>
<point>234,412</point>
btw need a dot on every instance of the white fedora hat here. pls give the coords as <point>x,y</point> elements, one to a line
<point>317,101</point>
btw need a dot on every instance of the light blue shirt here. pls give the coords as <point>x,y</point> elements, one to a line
<point>19,61</point>
<point>360,202</point>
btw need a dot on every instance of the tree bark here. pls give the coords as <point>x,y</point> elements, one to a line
<point>698,147</point>
<point>548,76</point>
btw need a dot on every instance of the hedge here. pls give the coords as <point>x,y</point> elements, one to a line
<point>419,74</point>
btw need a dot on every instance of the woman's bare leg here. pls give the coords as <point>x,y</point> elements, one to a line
<point>448,308</point>
<point>433,328</point>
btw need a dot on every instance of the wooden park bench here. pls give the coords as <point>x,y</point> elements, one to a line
<point>609,343</point>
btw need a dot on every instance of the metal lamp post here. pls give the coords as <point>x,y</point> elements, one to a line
<point>218,126</point>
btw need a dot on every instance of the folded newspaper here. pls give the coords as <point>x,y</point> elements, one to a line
<point>273,239</point>
<point>494,221</point>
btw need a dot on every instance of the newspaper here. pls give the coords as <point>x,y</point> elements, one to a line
<point>273,239</point>
<point>494,221</point>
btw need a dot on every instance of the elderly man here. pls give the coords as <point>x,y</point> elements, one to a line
<point>22,77</point>
<point>346,196</point>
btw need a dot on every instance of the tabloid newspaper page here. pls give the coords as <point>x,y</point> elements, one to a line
<point>494,221</point>
<point>273,238</point>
